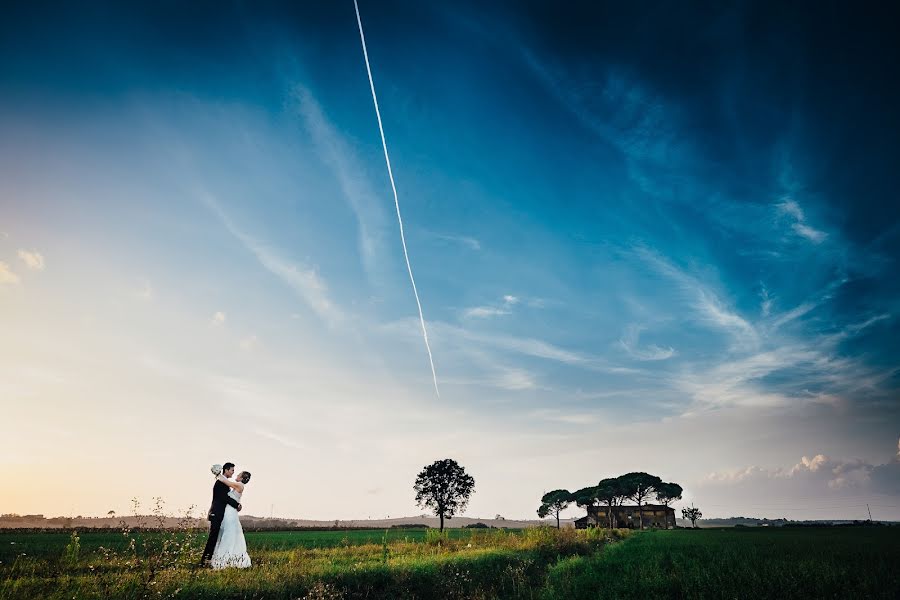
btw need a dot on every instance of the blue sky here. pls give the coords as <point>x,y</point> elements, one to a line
<point>658,240</point>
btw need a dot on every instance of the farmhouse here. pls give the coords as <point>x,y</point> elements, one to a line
<point>629,517</point>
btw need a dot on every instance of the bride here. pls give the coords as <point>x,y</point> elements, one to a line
<point>231,547</point>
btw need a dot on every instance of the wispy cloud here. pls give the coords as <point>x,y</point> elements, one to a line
<point>790,208</point>
<point>303,280</point>
<point>460,336</point>
<point>218,318</point>
<point>504,307</point>
<point>623,111</point>
<point>630,343</point>
<point>350,174</point>
<point>463,240</point>
<point>565,417</point>
<point>765,306</point>
<point>481,312</point>
<point>709,307</point>
<point>33,260</point>
<point>516,380</point>
<point>7,276</point>
<point>808,306</point>
<point>785,374</point>
<point>794,313</point>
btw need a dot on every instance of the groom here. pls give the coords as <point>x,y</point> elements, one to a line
<point>217,512</point>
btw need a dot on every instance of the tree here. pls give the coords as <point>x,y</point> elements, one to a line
<point>692,514</point>
<point>444,487</point>
<point>639,487</point>
<point>553,503</point>
<point>668,492</point>
<point>611,492</point>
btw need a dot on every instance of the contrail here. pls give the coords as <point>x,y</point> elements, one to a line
<point>387,159</point>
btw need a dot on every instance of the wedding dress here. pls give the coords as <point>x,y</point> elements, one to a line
<point>231,547</point>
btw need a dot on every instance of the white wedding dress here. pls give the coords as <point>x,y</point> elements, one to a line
<point>231,547</point>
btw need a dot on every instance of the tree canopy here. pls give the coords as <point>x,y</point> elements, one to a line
<point>668,492</point>
<point>586,496</point>
<point>444,487</point>
<point>638,487</point>
<point>691,513</point>
<point>553,503</point>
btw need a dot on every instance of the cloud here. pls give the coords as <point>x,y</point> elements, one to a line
<point>765,306</point>
<point>33,260</point>
<point>462,240</point>
<point>789,207</point>
<point>630,340</point>
<point>813,235</point>
<point>304,281</point>
<point>483,312</point>
<point>465,338</point>
<point>708,307</point>
<point>794,313</point>
<point>350,174</point>
<point>818,473</point>
<point>886,478</point>
<point>7,276</point>
<point>516,380</point>
<point>218,318</point>
<point>566,417</point>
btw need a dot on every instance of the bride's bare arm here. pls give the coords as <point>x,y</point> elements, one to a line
<point>236,485</point>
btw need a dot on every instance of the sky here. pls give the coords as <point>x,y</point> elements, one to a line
<point>657,239</point>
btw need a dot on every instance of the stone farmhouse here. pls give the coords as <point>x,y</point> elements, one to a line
<point>656,516</point>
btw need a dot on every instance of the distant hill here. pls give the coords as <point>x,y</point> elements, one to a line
<point>252,522</point>
<point>754,522</point>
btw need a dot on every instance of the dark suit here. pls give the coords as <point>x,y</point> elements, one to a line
<point>216,513</point>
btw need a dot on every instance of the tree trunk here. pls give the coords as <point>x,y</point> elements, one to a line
<point>557,519</point>
<point>442,522</point>
<point>641,514</point>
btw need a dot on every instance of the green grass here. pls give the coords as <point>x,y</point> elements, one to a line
<point>735,563</point>
<point>534,564</point>
<point>52,544</point>
<point>291,565</point>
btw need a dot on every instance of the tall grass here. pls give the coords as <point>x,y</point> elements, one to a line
<point>532,564</point>
<point>471,564</point>
<point>765,563</point>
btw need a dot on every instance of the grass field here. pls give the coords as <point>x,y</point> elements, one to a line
<point>536,564</point>
<point>50,545</point>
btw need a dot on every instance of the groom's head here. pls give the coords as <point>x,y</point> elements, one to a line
<point>228,470</point>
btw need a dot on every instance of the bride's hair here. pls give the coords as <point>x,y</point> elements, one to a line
<point>245,477</point>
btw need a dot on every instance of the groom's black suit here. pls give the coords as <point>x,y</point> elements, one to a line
<point>216,513</point>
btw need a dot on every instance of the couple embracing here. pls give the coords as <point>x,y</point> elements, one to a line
<point>226,546</point>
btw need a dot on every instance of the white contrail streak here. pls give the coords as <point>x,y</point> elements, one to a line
<point>387,159</point>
